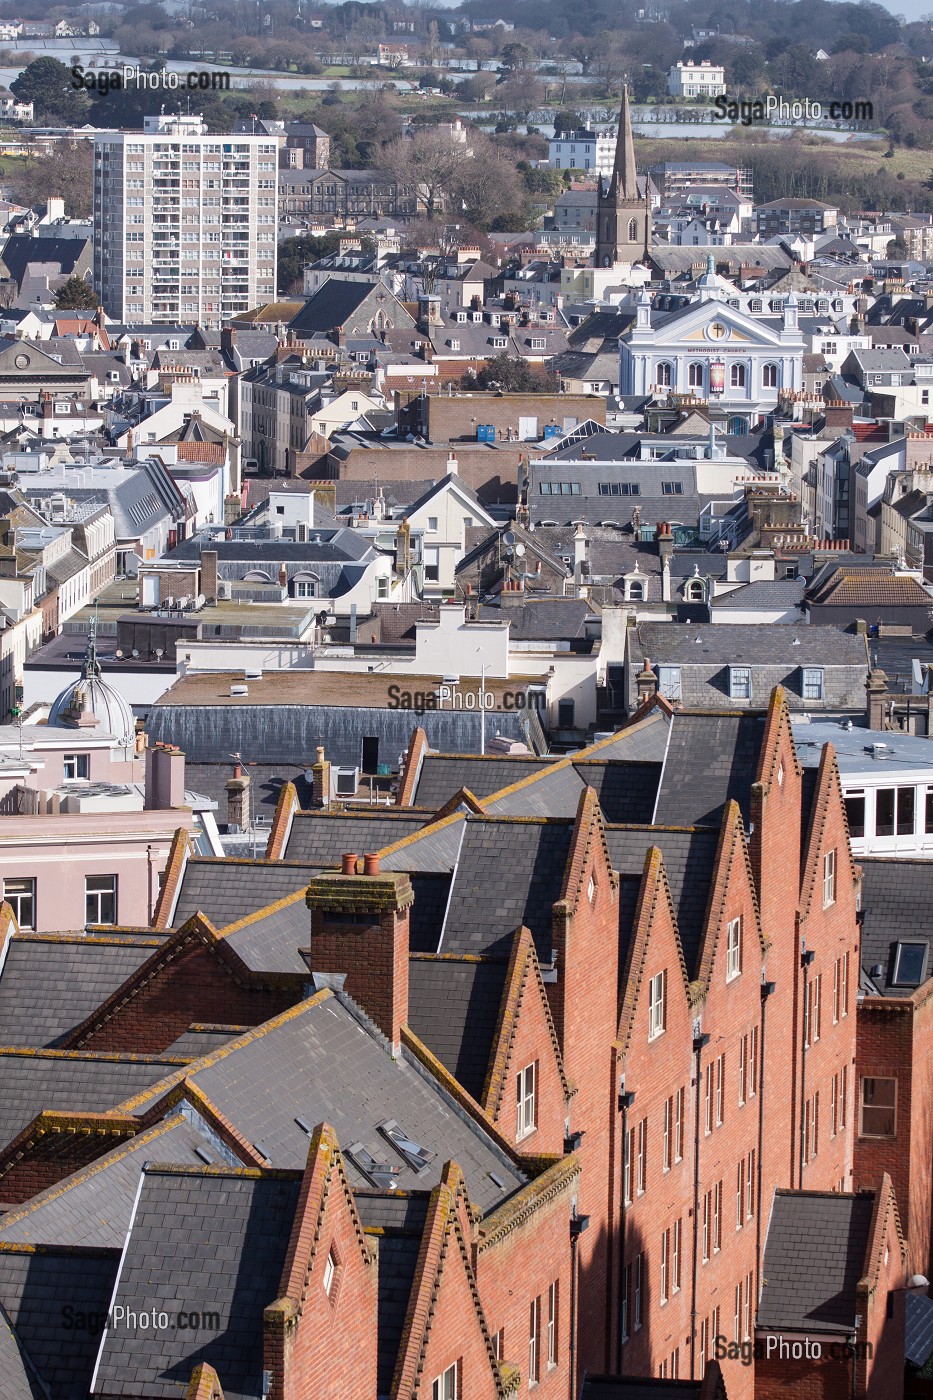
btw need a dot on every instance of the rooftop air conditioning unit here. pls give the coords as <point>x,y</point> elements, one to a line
<point>348,780</point>
<point>239,690</point>
<point>223,590</point>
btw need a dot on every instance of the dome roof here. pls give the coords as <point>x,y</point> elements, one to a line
<point>88,696</point>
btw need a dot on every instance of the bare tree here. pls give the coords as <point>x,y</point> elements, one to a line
<point>427,162</point>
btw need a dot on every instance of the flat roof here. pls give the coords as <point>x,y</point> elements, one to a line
<point>350,690</point>
<point>853,747</point>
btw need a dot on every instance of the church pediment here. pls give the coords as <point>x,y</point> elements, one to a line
<point>715,324</point>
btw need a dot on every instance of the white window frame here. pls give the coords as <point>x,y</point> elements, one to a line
<point>829,878</point>
<point>527,1100</point>
<point>657,1005</point>
<point>892,1108</point>
<point>733,949</point>
<point>98,895</point>
<point>75,762</point>
<point>534,1329</point>
<point>553,1302</point>
<point>740,682</point>
<point>446,1386</point>
<point>15,899</point>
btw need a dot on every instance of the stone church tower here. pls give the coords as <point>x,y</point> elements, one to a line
<point>622,222</point>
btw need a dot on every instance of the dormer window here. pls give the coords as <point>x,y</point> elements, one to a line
<point>636,591</point>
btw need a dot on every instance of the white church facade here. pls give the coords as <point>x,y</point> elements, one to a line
<point>709,350</point>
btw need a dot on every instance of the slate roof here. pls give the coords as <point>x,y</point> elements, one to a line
<point>543,619</point>
<point>191,1234</point>
<point>36,1287</point>
<point>444,774</point>
<point>918,1328</point>
<point>17,1378</point>
<point>426,918</point>
<point>766,593</point>
<point>627,792</point>
<point>329,1065</point>
<point>689,859</point>
<point>270,941</point>
<point>92,1208</point>
<point>331,305</point>
<point>400,1220</point>
<point>555,793</point>
<point>453,1007</point>
<point>896,896</point>
<point>266,781</point>
<point>22,249</point>
<point>201,1040</point>
<point>50,985</point>
<point>320,838</point>
<point>711,759</point>
<point>69,1081</point>
<point>508,874</point>
<point>815,1256</point>
<point>226,890</point>
<point>675,643</point>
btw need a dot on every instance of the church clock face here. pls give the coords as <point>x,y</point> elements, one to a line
<point>717,331</point>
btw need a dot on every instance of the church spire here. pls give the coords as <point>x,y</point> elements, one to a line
<point>623,171</point>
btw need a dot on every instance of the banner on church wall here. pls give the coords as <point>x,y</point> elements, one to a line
<point>717,377</point>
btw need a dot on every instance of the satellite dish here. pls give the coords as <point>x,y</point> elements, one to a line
<point>509,537</point>
<point>519,550</point>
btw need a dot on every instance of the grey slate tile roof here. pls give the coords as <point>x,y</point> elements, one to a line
<point>689,858</point>
<point>627,791</point>
<point>711,759</point>
<point>227,890</point>
<point>266,781</point>
<point>814,1258</point>
<point>50,985</point>
<point>67,1081</point>
<point>766,593</point>
<point>329,1065</point>
<point>92,1208</point>
<point>555,793</point>
<point>508,874</point>
<point>675,643</point>
<point>402,1222</point>
<point>434,853</point>
<point>320,838</point>
<point>17,1378</point>
<point>896,896</point>
<point>191,1236</point>
<point>201,1040</point>
<point>36,1289</point>
<point>444,774</point>
<point>426,918</point>
<point>918,1329</point>
<point>270,943</point>
<point>454,1008</point>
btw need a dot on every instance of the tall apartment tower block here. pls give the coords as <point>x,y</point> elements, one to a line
<point>184,222</point>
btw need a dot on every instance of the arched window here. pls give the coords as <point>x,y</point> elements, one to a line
<point>636,591</point>
<point>695,374</point>
<point>632,230</point>
<point>769,376</point>
<point>664,374</point>
<point>694,591</point>
<point>737,425</point>
<point>737,376</point>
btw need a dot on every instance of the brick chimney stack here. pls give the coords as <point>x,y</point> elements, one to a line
<point>165,777</point>
<point>646,682</point>
<point>877,689</point>
<point>359,927</point>
<point>320,780</point>
<point>209,575</point>
<point>238,799</point>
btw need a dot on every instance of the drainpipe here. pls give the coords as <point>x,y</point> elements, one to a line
<point>699,1042</point>
<point>626,1100</point>
<point>766,990</point>
<point>805,961</point>
<point>578,1223</point>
